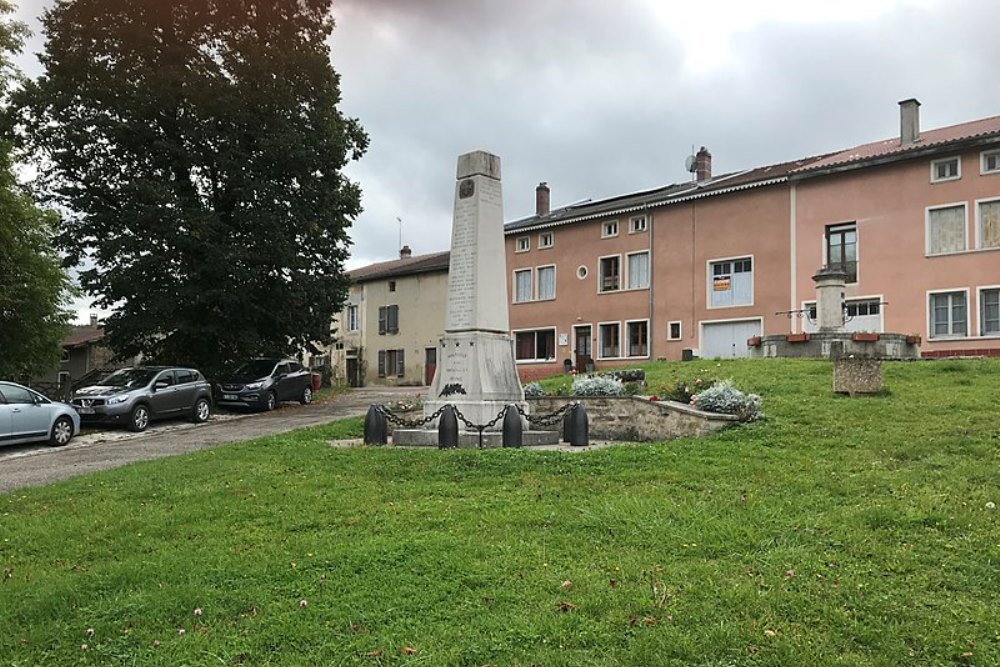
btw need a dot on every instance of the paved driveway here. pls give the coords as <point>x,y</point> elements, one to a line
<point>35,465</point>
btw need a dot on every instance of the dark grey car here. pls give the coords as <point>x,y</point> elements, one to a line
<point>136,396</point>
<point>264,383</point>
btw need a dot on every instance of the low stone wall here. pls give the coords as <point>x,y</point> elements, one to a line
<point>827,345</point>
<point>635,419</point>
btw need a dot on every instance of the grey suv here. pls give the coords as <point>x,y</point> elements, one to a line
<point>136,396</point>
<point>264,383</point>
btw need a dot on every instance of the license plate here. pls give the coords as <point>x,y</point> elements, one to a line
<point>85,411</point>
<point>229,397</point>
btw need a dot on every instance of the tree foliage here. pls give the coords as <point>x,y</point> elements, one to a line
<point>33,286</point>
<point>199,147</point>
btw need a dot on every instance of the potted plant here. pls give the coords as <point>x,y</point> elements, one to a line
<point>864,336</point>
<point>753,341</point>
<point>913,339</point>
<point>797,337</point>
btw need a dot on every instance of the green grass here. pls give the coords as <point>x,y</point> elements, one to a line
<point>838,531</point>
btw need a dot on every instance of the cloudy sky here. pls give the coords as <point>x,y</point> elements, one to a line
<point>600,98</point>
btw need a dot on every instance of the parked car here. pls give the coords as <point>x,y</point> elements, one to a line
<point>27,416</point>
<point>136,396</point>
<point>262,384</point>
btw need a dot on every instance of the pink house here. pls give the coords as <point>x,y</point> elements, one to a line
<point>698,268</point>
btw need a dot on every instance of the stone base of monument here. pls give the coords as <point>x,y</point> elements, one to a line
<point>416,437</point>
<point>836,344</point>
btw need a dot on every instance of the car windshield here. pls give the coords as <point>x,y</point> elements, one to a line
<point>257,368</point>
<point>129,377</point>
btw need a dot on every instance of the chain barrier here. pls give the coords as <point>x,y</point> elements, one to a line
<point>550,419</point>
<point>408,423</point>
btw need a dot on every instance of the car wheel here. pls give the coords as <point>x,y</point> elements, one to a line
<point>270,401</point>
<point>202,411</point>
<point>62,432</point>
<point>307,396</point>
<point>140,418</point>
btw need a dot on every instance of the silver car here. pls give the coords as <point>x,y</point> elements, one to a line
<point>27,416</point>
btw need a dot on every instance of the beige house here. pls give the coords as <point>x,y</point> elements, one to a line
<point>389,329</point>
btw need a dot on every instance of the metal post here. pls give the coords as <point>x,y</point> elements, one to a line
<point>448,428</point>
<point>376,428</point>
<point>512,428</point>
<point>580,432</point>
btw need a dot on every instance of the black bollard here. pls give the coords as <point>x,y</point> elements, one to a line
<point>512,428</point>
<point>376,428</point>
<point>580,430</point>
<point>567,434</point>
<point>448,428</point>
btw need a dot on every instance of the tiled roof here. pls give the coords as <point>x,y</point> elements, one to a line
<point>430,263</point>
<point>84,335</point>
<point>890,149</point>
<point>670,194</point>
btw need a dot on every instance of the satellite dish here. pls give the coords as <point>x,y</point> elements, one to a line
<point>689,163</point>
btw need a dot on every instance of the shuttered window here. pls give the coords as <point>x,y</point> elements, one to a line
<point>946,230</point>
<point>989,224</point>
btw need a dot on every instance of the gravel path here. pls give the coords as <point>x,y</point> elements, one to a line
<point>39,464</point>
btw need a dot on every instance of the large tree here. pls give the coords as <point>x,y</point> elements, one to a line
<point>34,289</point>
<point>198,147</point>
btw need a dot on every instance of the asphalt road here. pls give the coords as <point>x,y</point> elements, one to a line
<point>39,464</point>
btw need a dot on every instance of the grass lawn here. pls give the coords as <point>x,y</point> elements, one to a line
<point>838,531</point>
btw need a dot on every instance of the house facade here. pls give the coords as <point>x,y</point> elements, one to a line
<point>389,329</point>
<point>700,267</point>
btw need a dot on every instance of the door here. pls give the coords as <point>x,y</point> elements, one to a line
<point>430,364</point>
<point>727,340</point>
<point>187,388</point>
<point>29,419</point>
<point>353,377</point>
<point>165,400</point>
<point>284,383</point>
<point>582,348</point>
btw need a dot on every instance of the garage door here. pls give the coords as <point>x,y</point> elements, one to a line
<point>727,339</point>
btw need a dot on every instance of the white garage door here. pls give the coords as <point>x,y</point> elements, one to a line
<point>727,339</point>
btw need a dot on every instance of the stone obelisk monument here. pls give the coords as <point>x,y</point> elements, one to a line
<point>475,369</point>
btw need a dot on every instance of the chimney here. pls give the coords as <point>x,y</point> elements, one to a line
<point>93,319</point>
<point>909,122</point>
<point>405,252</point>
<point>703,165</point>
<point>542,199</point>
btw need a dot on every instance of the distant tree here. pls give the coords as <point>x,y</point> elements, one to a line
<point>199,147</point>
<point>34,289</point>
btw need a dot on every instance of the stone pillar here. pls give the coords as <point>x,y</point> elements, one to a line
<point>830,299</point>
<point>476,370</point>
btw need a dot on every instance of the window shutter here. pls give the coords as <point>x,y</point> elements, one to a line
<point>392,323</point>
<point>400,364</point>
<point>989,220</point>
<point>381,363</point>
<point>381,320</point>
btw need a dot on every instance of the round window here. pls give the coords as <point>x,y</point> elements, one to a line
<point>581,272</point>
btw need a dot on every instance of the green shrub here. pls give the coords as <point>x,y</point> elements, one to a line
<point>533,389</point>
<point>684,390</point>
<point>724,398</point>
<point>595,385</point>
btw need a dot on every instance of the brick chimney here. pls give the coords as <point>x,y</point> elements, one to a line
<point>542,199</point>
<point>703,165</point>
<point>909,122</point>
<point>405,252</point>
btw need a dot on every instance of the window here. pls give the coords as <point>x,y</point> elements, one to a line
<point>539,345</point>
<point>609,274</point>
<point>16,395</point>
<point>522,244</point>
<point>859,308</point>
<point>948,169</point>
<point>989,162</point>
<point>352,318</point>
<point>637,224</point>
<point>638,338</point>
<point>65,355</point>
<point>391,362</point>
<point>946,229</point>
<point>546,282</point>
<point>989,312</point>
<point>581,272</point>
<point>392,285</point>
<point>388,320</point>
<point>544,240</point>
<point>988,224</point>
<point>185,376</point>
<point>842,249</point>
<point>948,314</point>
<point>522,285</point>
<point>609,229</point>
<point>608,340</point>
<point>638,270</point>
<point>731,283</point>
<point>674,331</point>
